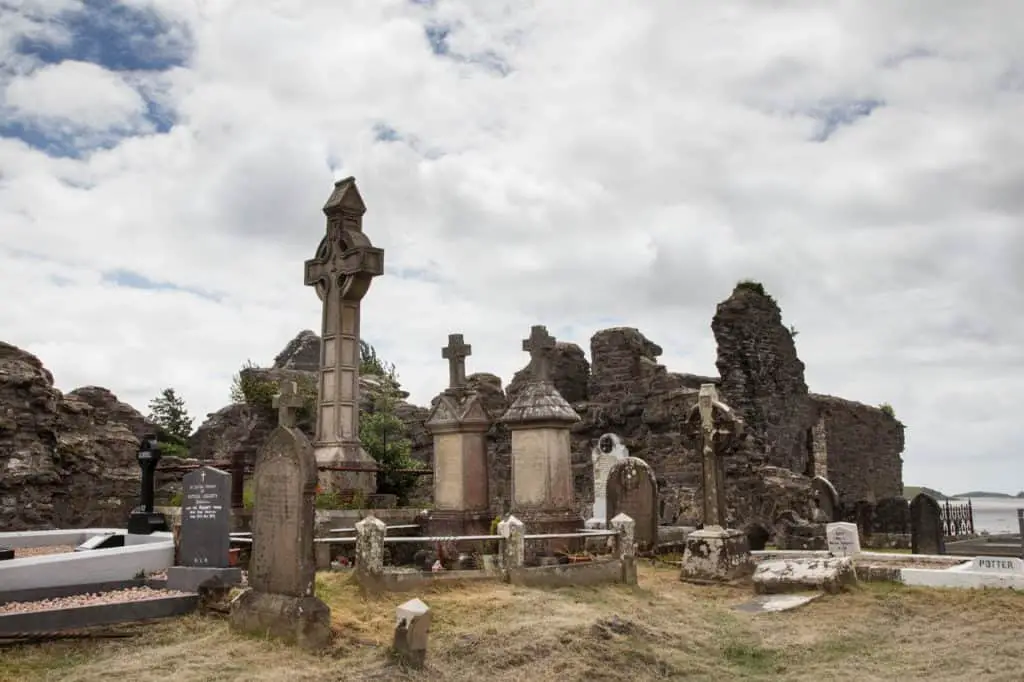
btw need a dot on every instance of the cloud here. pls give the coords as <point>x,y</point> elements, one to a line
<point>526,164</point>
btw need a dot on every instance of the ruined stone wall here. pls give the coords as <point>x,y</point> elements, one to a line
<point>863,448</point>
<point>762,377</point>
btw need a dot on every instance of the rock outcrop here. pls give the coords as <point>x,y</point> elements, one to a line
<point>65,460</point>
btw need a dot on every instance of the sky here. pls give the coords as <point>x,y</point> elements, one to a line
<point>578,164</point>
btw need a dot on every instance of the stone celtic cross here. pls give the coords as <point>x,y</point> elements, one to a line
<point>718,427</point>
<point>341,272</point>
<point>540,346</point>
<point>287,401</point>
<point>456,353</point>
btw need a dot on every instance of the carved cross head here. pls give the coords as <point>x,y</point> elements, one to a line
<point>456,353</point>
<point>541,347</point>
<point>719,426</point>
<point>287,401</point>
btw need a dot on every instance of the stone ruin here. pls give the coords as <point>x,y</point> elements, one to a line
<point>69,460</point>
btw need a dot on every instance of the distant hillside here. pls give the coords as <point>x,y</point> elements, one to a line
<point>982,493</point>
<point>912,491</point>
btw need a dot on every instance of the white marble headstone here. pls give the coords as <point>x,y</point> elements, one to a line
<point>843,539</point>
<point>610,449</point>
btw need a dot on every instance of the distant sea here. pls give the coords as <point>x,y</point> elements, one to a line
<point>995,514</point>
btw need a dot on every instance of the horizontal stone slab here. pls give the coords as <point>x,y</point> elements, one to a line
<point>830,575</point>
<point>81,617</point>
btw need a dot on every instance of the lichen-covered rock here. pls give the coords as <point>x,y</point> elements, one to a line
<point>832,575</point>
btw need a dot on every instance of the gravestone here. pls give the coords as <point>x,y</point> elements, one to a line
<point>146,520</point>
<point>715,553</point>
<point>205,535</point>
<point>926,533</point>
<point>412,627</point>
<point>280,601</point>
<point>609,450</point>
<point>633,491</point>
<point>843,539</point>
<point>341,273</point>
<point>6,553</point>
<point>826,500</point>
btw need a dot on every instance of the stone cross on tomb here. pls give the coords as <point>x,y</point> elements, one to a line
<point>287,401</point>
<point>456,353</point>
<point>341,272</point>
<point>540,346</point>
<point>719,427</point>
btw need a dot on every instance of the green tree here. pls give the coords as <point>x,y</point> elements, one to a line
<point>371,363</point>
<point>168,411</point>
<point>383,433</point>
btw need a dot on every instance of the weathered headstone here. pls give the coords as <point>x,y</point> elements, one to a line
<point>926,533</point>
<point>205,535</point>
<point>609,450</point>
<point>412,628</point>
<point>826,500</point>
<point>280,600</point>
<point>633,491</point>
<point>341,272</point>
<point>715,553</point>
<point>459,423</point>
<point>843,539</point>
<point>541,421</point>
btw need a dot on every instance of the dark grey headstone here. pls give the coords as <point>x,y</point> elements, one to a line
<point>205,518</point>
<point>6,553</point>
<point>926,532</point>
<point>633,491</point>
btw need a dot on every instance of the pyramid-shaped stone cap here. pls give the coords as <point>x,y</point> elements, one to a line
<point>458,411</point>
<point>540,402</point>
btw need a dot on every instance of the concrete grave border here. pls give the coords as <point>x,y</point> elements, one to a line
<point>80,617</point>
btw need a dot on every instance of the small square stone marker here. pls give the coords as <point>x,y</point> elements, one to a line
<point>412,625</point>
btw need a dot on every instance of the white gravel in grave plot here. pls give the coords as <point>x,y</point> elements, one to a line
<point>130,594</point>
<point>23,552</point>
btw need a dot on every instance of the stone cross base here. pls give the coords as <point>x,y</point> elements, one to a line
<point>443,523</point>
<point>345,454</point>
<point>716,555</point>
<point>305,621</point>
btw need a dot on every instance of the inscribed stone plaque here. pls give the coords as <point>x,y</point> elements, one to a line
<point>529,467</point>
<point>283,559</point>
<point>205,518</point>
<point>1005,565</point>
<point>633,491</point>
<point>448,474</point>
<point>474,471</point>
<point>843,539</point>
<point>561,494</point>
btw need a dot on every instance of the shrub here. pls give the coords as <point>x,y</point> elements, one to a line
<point>886,408</point>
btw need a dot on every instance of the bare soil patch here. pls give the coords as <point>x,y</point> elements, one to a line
<point>662,629</point>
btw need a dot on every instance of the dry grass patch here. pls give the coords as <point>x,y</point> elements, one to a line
<point>661,630</point>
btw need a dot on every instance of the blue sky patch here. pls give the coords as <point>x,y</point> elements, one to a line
<point>117,37</point>
<point>437,35</point>
<point>133,280</point>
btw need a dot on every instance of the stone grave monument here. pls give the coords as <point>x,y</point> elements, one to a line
<point>341,272</point>
<point>205,534</point>
<point>843,539</point>
<point>610,449</point>
<point>145,520</point>
<point>715,553</point>
<point>633,491</point>
<point>926,532</point>
<point>459,424</point>
<point>826,500</point>
<point>280,601</point>
<point>540,421</point>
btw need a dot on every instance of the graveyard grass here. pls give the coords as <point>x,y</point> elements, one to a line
<point>662,629</point>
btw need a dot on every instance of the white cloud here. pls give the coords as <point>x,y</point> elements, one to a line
<point>79,95</point>
<point>630,167</point>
